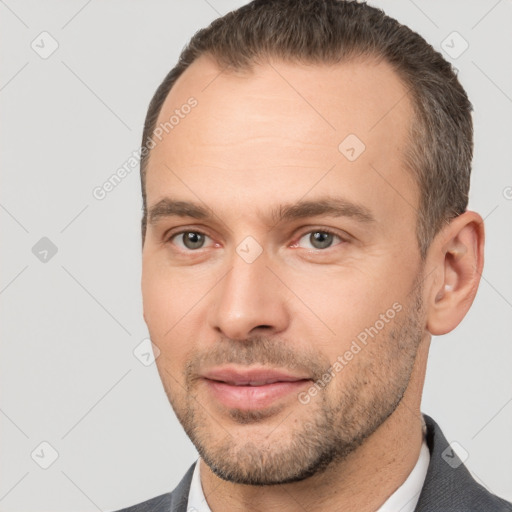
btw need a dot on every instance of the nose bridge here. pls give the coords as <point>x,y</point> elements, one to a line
<point>249,296</point>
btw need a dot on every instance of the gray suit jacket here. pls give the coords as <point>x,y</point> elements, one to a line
<point>448,486</point>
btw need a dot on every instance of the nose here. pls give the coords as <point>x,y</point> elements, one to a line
<point>248,299</point>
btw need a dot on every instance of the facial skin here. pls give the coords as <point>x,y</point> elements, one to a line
<point>256,142</point>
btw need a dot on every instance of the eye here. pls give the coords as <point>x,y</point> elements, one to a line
<point>189,240</point>
<point>319,239</point>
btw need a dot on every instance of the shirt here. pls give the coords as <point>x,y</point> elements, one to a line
<point>404,499</point>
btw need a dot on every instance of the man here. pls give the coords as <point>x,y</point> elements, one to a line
<point>305,178</point>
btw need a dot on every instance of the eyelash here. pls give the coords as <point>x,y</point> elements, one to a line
<point>316,230</point>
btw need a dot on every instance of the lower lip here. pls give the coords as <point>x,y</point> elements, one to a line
<point>253,397</point>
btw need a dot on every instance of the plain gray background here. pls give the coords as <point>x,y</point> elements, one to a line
<point>70,324</point>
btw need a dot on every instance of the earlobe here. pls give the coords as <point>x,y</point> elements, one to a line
<point>458,252</point>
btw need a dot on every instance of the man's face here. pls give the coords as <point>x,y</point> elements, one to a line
<point>266,281</point>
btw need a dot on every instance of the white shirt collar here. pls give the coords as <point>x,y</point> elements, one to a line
<point>404,499</point>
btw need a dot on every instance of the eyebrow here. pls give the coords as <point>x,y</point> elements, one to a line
<point>329,206</point>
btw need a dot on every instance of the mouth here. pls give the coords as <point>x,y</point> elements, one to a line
<point>255,389</point>
<point>255,382</point>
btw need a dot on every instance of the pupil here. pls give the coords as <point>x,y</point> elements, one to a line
<point>193,240</point>
<point>321,239</point>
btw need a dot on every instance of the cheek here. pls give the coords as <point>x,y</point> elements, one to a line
<point>172,303</point>
<point>166,294</point>
<point>335,307</point>
<point>162,310</point>
<point>155,296</point>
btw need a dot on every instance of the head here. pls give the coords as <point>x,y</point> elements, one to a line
<point>306,211</point>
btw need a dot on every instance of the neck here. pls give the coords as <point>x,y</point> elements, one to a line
<point>361,482</point>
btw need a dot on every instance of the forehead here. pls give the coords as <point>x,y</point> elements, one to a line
<point>281,125</point>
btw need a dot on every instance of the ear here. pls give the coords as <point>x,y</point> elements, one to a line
<point>458,251</point>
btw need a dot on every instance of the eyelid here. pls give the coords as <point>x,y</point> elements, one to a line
<point>179,230</point>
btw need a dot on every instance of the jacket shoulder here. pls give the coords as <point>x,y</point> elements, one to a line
<point>449,486</point>
<point>175,501</point>
<point>159,503</point>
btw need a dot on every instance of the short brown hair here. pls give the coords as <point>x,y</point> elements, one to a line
<point>440,149</point>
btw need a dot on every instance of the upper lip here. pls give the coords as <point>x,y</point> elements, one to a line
<point>251,376</point>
